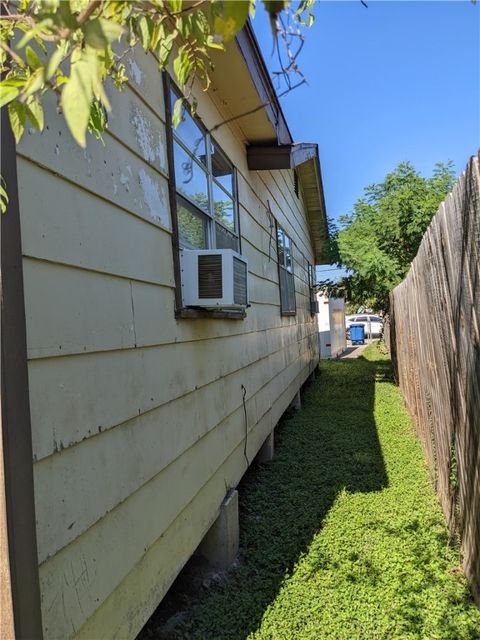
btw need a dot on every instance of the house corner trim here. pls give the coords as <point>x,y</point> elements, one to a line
<point>15,407</point>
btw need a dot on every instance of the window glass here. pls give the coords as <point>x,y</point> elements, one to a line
<point>288,262</point>
<point>223,207</point>
<point>192,226</point>
<point>288,253</point>
<point>224,239</point>
<point>190,178</point>
<point>222,170</point>
<point>189,132</point>
<point>362,319</point>
<point>281,250</point>
<point>375,319</point>
<point>286,278</point>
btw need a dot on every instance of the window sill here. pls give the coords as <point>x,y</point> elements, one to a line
<point>288,313</point>
<point>222,314</point>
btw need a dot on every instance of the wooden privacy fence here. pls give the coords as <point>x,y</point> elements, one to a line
<point>435,345</point>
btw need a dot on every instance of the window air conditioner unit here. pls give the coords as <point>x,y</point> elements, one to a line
<point>214,278</point>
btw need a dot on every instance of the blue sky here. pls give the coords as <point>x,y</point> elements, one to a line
<point>395,81</point>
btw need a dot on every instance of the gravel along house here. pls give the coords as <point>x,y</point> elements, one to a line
<point>161,295</point>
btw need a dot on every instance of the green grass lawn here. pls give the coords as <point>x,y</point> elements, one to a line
<point>341,534</point>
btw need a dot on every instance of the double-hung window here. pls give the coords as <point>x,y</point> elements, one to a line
<point>285,273</point>
<point>207,210</point>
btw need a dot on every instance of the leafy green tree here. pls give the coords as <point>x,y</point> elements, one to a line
<point>378,240</point>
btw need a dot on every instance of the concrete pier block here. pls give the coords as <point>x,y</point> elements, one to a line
<point>266,451</point>
<point>296,403</point>
<point>220,545</point>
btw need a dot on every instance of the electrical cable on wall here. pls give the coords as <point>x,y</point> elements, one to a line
<point>244,393</point>
<point>271,220</point>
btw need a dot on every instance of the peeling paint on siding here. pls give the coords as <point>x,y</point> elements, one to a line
<point>125,178</point>
<point>149,141</point>
<point>154,198</point>
<point>136,72</point>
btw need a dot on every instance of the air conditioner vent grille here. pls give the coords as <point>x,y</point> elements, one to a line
<point>214,278</point>
<point>239,282</point>
<point>210,283</point>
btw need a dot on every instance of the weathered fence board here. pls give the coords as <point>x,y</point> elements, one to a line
<point>435,344</point>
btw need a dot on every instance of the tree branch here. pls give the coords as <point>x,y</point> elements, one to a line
<point>192,7</point>
<point>12,54</point>
<point>61,34</point>
<point>87,12</point>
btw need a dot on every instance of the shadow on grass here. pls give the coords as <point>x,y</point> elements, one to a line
<point>329,446</point>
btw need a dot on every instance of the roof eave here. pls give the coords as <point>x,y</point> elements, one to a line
<point>305,159</point>
<point>285,154</point>
<point>310,177</point>
<point>250,50</point>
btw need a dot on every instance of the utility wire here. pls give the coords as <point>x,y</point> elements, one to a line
<point>244,393</point>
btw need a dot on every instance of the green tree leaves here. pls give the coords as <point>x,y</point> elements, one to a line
<point>7,93</point>
<point>380,237</point>
<point>232,20</point>
<point>66,47</point>
<point>177,112</point>
<point>17,114</point>
<point>3,196</point>
<point>35,112</point>
<point>182,65</point>
<point>76,99</point>
<point>77,95</point>
<point>99,33</point>
<point>54,62</point>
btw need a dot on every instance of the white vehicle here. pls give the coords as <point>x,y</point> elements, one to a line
<point>373,324</point>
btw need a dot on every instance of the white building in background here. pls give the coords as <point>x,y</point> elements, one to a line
<point>331,326</point>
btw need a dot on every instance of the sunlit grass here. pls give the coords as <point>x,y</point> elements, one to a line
<point>342,536</point>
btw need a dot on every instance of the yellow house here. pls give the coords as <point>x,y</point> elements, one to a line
<point>133,399</point>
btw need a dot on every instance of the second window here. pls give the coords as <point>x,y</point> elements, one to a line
<point>285,273</point>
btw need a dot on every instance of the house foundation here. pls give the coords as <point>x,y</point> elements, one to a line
<point>296,403</point>
<point>266,451</point>
<point>220,545</point>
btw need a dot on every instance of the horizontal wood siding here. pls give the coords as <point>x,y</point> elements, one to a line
<point>137,418</point>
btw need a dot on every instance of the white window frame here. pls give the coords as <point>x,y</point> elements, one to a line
<point>209,215</point>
